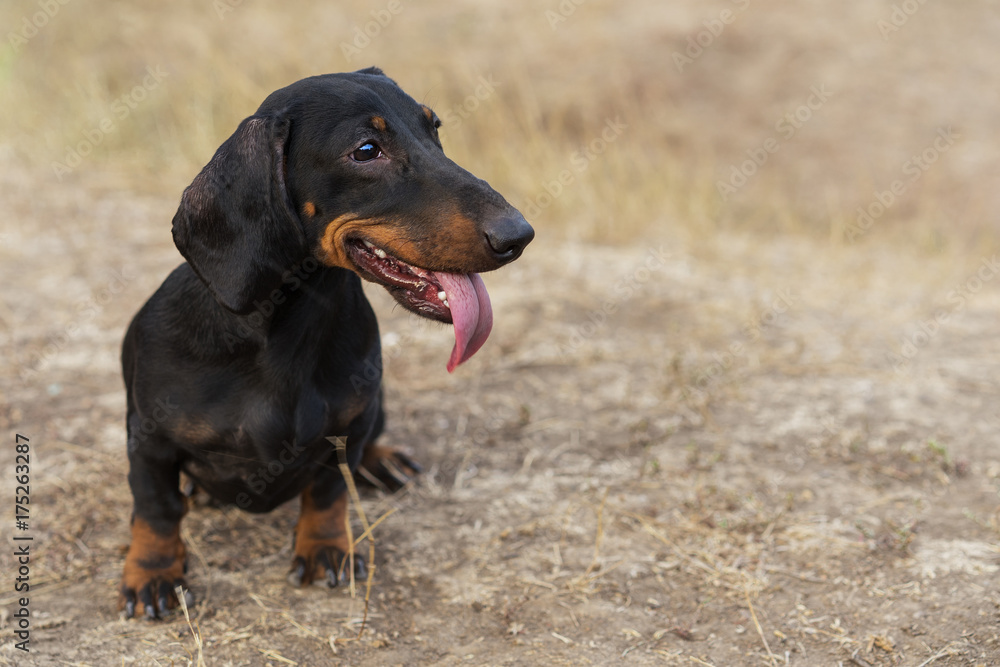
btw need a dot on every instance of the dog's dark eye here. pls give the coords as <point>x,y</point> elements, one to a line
<point>366,152</point>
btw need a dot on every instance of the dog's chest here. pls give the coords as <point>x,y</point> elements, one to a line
<point>243,429</point>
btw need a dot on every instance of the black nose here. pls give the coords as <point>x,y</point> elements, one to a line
<point>508,236</point>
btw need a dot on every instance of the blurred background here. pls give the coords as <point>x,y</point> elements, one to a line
<point>693,103</point>
<point>740,402</point>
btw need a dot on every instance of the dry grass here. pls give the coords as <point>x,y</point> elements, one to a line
<point>556,90</point>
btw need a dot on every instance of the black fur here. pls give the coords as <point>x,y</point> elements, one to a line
<point>260,346</point>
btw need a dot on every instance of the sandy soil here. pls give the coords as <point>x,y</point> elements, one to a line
<point>670,452</point>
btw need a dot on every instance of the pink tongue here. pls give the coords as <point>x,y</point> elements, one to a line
<point>471,313</point>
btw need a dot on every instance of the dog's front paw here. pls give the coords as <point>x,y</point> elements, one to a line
<point>387,469</point>
<point>154,567</point>
<point>325,565</point>
<point>323,545</point>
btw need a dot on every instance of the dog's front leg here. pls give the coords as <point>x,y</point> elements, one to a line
<point>156,559</point>
<point>322,543</point>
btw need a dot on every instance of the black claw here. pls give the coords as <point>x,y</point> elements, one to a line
<point>390,473</point>
<point>323,560</point>
<point>146,598</point>
<point>298,573</point>
<point>129,604</point>
<point>360,572</point>
<point>162,598</point>
<point>343,569</point>
<point>335,564</point>
<point>409,463</point>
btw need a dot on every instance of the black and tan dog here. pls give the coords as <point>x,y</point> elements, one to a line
<point>248,356</point>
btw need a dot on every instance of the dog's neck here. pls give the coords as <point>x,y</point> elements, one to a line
<point>315,309</point>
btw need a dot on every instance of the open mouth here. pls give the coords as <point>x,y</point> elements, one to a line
<point>454,298</point>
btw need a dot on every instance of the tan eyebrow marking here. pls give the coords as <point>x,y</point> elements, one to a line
<point>379,123</point>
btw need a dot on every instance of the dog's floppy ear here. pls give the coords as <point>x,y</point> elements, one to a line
<point>235,225</point>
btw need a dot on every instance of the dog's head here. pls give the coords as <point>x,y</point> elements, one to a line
<point>349,169</point>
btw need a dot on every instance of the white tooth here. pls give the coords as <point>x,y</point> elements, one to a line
<point>442,295</point>
<point>367,244</point>
<point>379,252</point>
<point>445,302</point>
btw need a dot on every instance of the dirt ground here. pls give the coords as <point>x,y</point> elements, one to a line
<point>741,464</point>
<point>721,420</point>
